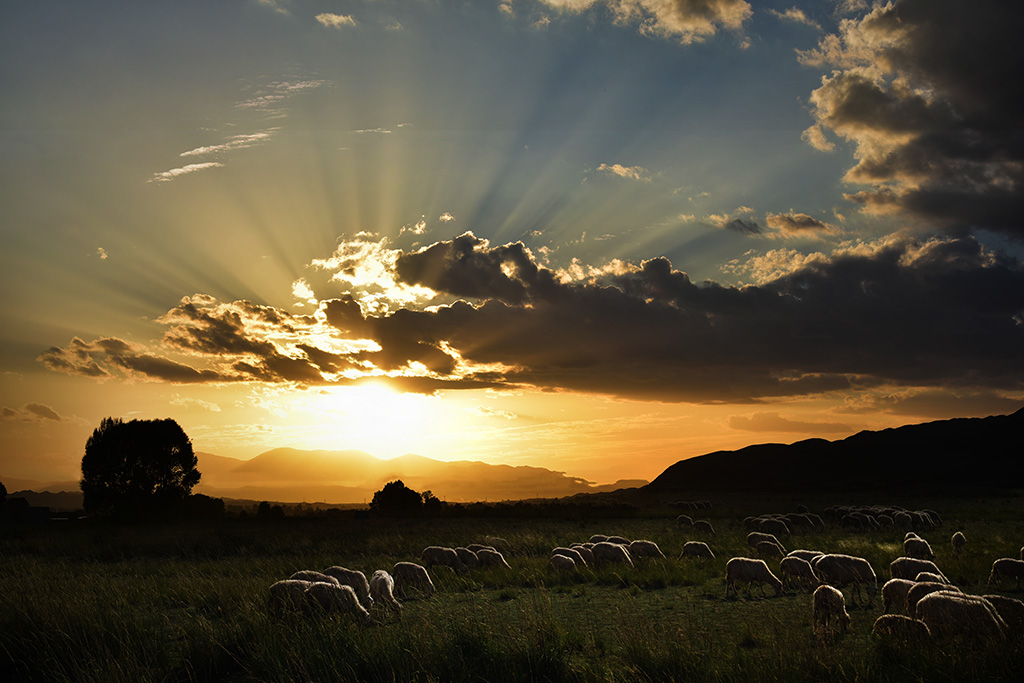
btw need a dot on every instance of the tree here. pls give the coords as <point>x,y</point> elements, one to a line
<point>396,499</point>
<point>142,468</point>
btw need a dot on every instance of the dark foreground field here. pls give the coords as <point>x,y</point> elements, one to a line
<point>96,603</point>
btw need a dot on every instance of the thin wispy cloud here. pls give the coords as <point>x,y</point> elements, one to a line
<point>169,175</point>
<point>335,20</point>
<point>232,143</point>
<point>795,15</point>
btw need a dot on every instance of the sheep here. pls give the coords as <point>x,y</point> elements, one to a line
<point>698,549</point>
<point>491,558</point>
<point>704,526</point>
<point>640,548</point>
<point>809,555</point>
<point>435,554</point>
<point>313,577</point>
<point>950,614</point>
<point>919,548</point>
<point>900,627</point>
<point>799,570</point>
<point>1011,610</point>
<point>748,571</point>
<point>408,574</point>
<point>774,526</point>
<point>1006,567</point>
<point>335,599</point>
<point>573,554</point>
<point>684,520</point>
<point>919,590</point>
<point>929,576</point>
<point>586,553</point>
<point>909,535</point>
<point>382,588</point>
<point>769,549</point>
<point>840,570</point>
<point>829,607</point>
<point>958,541</point>
<point>288,594</point>
<point>621,540</point>
<point>354,578</point>
<point>477,547</point>
<point>903,521</point>
<point>755,537</point>
<point>605,552</point>
<point>909,567</point>
<point>894,592</point>
<point>563,563</point>
<point>598,538</point>
<point>468,557</point>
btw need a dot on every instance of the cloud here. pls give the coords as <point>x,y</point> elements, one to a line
<point>446,217</point>
<point>188,402</point>
<point>373,131</point>
<point>31,412</point>
<point>796,15</point>
<point>799,224</point>
<point>773,422</point>
<point>102,253</point>
<point>629,172</point>
<point>167,176</point>
<point>740,225</point>
<point>234,142</point>
<point>484,411</point>
<point>941,313</point>
<point>925,91</point>
<point>687,21</point>
<point>335,20</point>
<point>938,403</point>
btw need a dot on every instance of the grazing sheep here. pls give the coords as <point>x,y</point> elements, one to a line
<point>468,557</point>
<point>903,521</point>
<point>748,571</point>
<point>410,574</point>
<point>840,570</point>
<point>684,520</point>
<point>354,578</point>
<point>901,628</point>
<point>598,538</point>
<point>335,599</point>
<point>809,555</point>
<point>491,558</point>
<point>313,577</point>
<point>1012,612</point>
<point>755,537</point>
<point>894,592</point>
<point>288,594</point>
<point>909,567</point>
<point>605,552</point>
<point>919,590</point>
<point>642,548</point>
<point>769,549</point>
<point>698,549</point>
<point>949,615</point>
<point>919,548</point>
<point>1006,567</point>
<point>829,608</point>
<point>382,589</point>
<point>586,553</point>
<point>435,554</point>
<point>929,576</point>
<point>621,540</point>
<point>909,535</point>
<point>774,526</point>
<point>573,554</point>
<point>477,547</point>
<point>958,541</point>
<point>798,570</point>
<point>563,563</point>
<point>704,526</point>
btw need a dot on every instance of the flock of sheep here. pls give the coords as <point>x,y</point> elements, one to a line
<point>926,603</point>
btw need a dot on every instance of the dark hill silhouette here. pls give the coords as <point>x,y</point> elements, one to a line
<point>942,456</point>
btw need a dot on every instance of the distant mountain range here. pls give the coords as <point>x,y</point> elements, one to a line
<point>946,456</point>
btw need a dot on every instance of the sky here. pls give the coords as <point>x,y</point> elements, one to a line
<point>598,236</point>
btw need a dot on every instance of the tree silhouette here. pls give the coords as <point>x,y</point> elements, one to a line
<point>142,468</point>
<point>396,499</point>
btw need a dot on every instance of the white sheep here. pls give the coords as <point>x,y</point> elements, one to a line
<point>641,548</point>
<point>748,571</point>
<point>919,548</point>
<point>797,570</point>
<point>621,540</point>
<point>698,549</point>
<point>563,563</point>
<point>809,555</point>
<point>1006,567</point>
<point>382,588</point>
<point>774,526</point>
<point>585,552</point>
<point>684,520</point>
<point>354,578</point>
<point>288,594</point>
<point>335,599</point>
<point>950,614</point>
<point>930,576</point>
<point>1012,612</point>
<point>909,567</point>
<point>598,538</point>
<point>491,558</point>
<point>839,570</point>
<point>769,549</point>
<point>900,627</point>
<point>573,554</point>
<point>958,541</point>
<point>468,557</point>
<point>410,574</point>
<point>435,554</point>
<point>894,592</point>
<point>755,537</point>
<point>477,547</point>
<point>829,608</point>
<point>605,552</point>
<point>918,591</point>
<point>704,526</point>
<point>313,577</point>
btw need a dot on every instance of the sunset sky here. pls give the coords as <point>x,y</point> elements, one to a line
<point>597,236</point>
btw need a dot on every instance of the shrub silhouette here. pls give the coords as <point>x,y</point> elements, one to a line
<point>396,499</point>
<point>138,469</point>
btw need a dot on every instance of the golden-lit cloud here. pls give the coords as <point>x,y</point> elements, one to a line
<point>687,21</point>
<point>335,20</point>
<point>799,224</point>
<point>629,172</point>
<point>234,142</point>
<point>795,15</point>
<point>774,422</point>
<point>169,175</point>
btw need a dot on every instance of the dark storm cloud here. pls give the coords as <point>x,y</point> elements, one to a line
<point>928,92</point>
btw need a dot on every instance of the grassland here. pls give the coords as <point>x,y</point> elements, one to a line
<point>90,602</point>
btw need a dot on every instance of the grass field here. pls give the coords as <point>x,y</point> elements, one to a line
<point>90,602</point>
